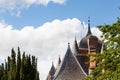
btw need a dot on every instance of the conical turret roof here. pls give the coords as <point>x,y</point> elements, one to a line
<point>70,69</point>
<point>75,48</point>
<point>83,42</point>
<point>51,72</point>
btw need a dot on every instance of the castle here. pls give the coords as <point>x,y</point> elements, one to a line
<point>74,65</point>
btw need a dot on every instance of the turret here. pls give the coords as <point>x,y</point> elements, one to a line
<point>75,48</point>
<point>51,72</point>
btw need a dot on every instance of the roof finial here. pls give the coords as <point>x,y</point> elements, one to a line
<point>89,19</point>
<point>68,44</point>
<point>89,31</point>
<point>89,22</point>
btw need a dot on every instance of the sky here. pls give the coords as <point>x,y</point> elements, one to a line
<point>44,27</point>
<point>36,12</point>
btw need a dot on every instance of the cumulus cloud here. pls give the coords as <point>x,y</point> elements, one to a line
<point>45,42</point>
<point>18,5</point>
<point>96,32</point>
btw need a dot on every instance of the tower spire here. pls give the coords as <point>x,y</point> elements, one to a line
<point>68,45</point>
<point>89,31</point>
<point>75,47</point>
<point>51,72</point>
<point>89,21</point>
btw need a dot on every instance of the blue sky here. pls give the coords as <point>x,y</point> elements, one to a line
<point>100,11</point>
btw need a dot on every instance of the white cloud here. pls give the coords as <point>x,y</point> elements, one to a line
<point>15,6</point>
<point>44,2</point>
<point>45,42</point>
<point>96,32</point>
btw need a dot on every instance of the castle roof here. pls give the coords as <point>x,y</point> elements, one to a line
<point>75,48</point>
<point>69,69</point>
<point>83,43</point>
<point>51,72</point>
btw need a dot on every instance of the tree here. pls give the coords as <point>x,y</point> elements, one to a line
<point>12,71</point>
<point>8,63</point>
<point>17,68</point>
<point>2,72</point>
<point>18,64</point>
<point>5,71</point>
<point>108,67</point>
<point>22,68</point>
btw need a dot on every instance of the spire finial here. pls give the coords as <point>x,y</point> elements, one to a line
<point>68,44</point>
<point>89,31</point>
<point>89,19</point>
<point>89,22</point>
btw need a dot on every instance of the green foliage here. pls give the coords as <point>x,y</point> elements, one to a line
<point>109,59</point>
<point>19,68</point>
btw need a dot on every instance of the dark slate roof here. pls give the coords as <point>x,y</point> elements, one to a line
<point>69,69</point>
<point>51,72</point>
<point>83,42</point>
<point>75,48</point>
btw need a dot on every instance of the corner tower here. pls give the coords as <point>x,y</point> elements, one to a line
<point>90,44</point>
